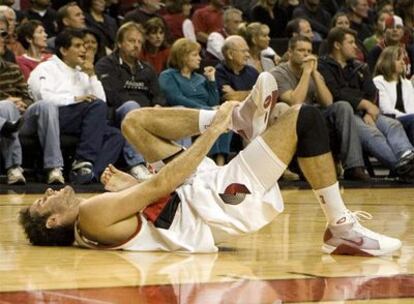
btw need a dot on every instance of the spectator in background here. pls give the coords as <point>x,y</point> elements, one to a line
<point>102,23</point>
<point>299,82</point>
<point>12,43</point>
<point>396,93</point>
<point>358,14</point>
<point>20,17</point>
<point>404,8</point>
<point>288,6</point>
<point>33,38</point>
<point>317,16</point>
<point>69,82</point>
<point>41,10</point>
<point>146,9</point>
<point>40,118</point>
<point>302,27</point>
<point>69,16</point>
<point>182,86</point>
<point>177,11</point>
<point>341,20</point>
<point>129,84</point>
<point>257,37</point>
<point>232,18</point>
<point>393,35</point>
<point>10,108</point>
<point>267,12</point>
<point>235,78</point>
<point>93,45</point>
<point>350,80</point>
<point>208,19</point>
<point>378,35</point>
<point>156,48</point>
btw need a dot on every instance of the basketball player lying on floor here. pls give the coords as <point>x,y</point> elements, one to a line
<point>193,205</point>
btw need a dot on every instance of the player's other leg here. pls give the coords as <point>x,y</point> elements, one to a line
<point>303,131</point>
<point>152,130</point>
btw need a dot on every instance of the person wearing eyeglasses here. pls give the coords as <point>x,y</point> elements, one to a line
<point>12,43</point>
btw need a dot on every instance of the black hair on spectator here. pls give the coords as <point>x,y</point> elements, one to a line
<point>101,49</point>
<point>26,31</point>
<point>38,234</point>
<point>338,35</point>
<point>294,41</point>
<point>64,39</point>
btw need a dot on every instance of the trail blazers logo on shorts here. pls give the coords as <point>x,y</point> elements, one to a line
<point>234,194</point>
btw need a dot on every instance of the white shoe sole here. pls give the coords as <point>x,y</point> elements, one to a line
<point>349,250</point>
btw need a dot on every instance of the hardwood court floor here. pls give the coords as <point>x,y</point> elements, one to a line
<point>282,263</point>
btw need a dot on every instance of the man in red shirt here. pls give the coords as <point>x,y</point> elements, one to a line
<point>208,19</point>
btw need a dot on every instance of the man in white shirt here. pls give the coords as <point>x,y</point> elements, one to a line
<point>69,81</point>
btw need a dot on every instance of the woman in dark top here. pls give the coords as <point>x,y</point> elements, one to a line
<point>102,23</point>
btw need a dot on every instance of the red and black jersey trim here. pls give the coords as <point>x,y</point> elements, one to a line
<point>162,212</point>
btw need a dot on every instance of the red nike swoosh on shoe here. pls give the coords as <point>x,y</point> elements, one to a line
<point>357,243</point>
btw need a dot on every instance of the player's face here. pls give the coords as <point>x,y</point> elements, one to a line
<point>54,202</point>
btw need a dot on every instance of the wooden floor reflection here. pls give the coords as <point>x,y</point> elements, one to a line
<point>282,263</point>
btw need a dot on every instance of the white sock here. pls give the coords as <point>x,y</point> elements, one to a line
<point>205,117</point>
<point>331,203</point>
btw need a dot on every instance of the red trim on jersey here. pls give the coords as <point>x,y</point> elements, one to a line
<point>97,245</point>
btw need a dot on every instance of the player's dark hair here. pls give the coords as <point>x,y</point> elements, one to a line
<point>34,226</point>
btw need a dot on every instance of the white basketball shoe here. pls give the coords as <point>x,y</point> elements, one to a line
<point>251,117</point>
<point>349,237</point>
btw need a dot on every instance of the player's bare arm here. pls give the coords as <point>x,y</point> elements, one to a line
<point>110,218</point>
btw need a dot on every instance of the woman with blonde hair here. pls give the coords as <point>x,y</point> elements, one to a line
<point>396,93</point>
<point>183,86</point>
<point>257,37</point>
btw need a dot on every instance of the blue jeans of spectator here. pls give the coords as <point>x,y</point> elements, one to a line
<point>340,118</point>
<point>99,143</point>
<point>387,142</point>
<point>131,157</point>
<point>407,122</point>
<point>222,145</point>
<point>42,119</point>
<point>10,147</point>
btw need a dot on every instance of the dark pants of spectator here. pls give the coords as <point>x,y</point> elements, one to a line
<point>99,143</point>
<point>408,124</point>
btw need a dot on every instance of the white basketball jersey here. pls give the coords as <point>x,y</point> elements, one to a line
<point>216,203</point>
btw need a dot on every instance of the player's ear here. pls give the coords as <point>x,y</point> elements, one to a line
<point>52,221</point>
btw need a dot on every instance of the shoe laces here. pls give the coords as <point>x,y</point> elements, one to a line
<point>360,216</point>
